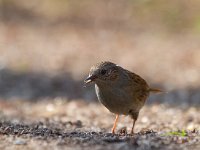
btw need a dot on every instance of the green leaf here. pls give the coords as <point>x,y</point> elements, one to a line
<point>182,133</point>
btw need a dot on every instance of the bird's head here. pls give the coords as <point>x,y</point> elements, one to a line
<point>104,72</point>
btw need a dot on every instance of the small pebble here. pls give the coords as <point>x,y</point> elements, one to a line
<point>19,142</point>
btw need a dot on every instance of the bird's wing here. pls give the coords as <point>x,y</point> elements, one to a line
<point>137,80</point>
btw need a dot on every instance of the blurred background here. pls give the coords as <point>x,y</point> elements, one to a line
<point>47,47</point>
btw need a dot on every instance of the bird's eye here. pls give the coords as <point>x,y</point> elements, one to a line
<point>103,72</point>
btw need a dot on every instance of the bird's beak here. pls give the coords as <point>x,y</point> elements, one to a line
<point>90,78</point>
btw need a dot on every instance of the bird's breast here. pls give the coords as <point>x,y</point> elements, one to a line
<point>116,99</point>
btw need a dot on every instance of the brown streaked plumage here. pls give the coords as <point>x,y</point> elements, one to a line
<point>119,90</point>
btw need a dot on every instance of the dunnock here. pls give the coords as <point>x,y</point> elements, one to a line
<point>119,90</point>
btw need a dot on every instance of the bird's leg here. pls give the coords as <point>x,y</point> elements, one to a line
<point>134,116</point>
<point>115,124</point>
<point>132,129</point>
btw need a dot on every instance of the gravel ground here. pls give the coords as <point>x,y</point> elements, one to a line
<point>62,124</point>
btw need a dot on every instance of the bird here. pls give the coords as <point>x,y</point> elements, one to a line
<point>121,91</point>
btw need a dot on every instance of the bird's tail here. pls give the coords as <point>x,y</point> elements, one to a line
<point>154,90</point>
